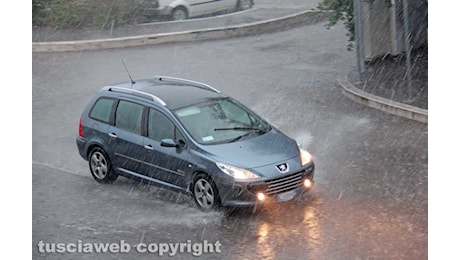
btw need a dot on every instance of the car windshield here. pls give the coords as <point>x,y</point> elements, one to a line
<point>221,120</point>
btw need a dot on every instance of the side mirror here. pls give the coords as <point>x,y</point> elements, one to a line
<point>168,143</point>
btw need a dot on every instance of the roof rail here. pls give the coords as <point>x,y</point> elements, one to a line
<point>136,93</point>
<point>186,81</point>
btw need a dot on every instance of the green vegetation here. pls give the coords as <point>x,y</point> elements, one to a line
<point>342,10</point>
<point>86,13</point>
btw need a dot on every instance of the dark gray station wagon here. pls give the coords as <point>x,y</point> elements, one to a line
<point>189,137</point>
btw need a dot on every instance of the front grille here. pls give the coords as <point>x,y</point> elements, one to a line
<point>285,183</point>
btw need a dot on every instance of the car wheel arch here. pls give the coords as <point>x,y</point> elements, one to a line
<point>193,177</point>
<point>92,146</point>
<point>179,3</point>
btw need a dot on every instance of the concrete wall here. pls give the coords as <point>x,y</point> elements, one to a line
<point>376,21</point>
<point>383,26</point>
<point>418,24</point>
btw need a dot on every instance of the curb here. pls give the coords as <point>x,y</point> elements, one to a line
<point>271,25</point>
<point>383,104</point>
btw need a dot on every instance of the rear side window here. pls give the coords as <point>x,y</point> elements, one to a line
<point>102,109</point>
<point>129,116</point>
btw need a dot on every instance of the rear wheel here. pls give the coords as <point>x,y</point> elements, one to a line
<point>101,167</point>
<point>205,193</point>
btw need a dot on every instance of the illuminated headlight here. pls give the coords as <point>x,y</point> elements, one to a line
<point>235,172</point>
<point>305,157</point>
<point>307,183</point>
<point>260,196</point>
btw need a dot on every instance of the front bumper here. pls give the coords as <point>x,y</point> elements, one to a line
<point>280,189</point>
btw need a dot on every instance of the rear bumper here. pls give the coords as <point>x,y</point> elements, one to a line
<point>82,147</point>
<point>158,12</point>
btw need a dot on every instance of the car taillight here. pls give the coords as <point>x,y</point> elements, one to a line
<point>80,130</point>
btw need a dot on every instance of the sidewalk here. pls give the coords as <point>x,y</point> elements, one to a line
<point>387,78</point>
<point>383,85</point>
<point>233,19</point>
<point>262,19</point>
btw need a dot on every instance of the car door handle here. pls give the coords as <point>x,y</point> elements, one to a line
<point>113,135</point>
<point>148,147</point>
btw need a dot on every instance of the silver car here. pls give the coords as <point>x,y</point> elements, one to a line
<point>184,9</point>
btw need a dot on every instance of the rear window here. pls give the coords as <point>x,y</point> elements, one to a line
<point>102,109</point>
<point>129,116</point>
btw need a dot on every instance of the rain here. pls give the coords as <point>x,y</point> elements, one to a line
<point>287,62</point>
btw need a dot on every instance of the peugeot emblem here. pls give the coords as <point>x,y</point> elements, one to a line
<point>284,167</point>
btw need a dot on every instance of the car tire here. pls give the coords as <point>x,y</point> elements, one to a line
<point>243,5</point>
<point>179,13</point>
<point>101,167</point>
<point>205,193</point>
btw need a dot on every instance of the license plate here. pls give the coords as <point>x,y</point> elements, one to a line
<point>289,195</point>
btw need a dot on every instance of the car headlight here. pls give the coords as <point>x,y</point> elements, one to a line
<point>305,157</point>
<point>236,172</point>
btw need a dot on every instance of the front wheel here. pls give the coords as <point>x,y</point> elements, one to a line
<point>243,5</point>
<point>179,13</point>
<point>205,193</point>
<point>100,166</point>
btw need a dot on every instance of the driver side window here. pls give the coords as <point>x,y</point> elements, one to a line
<point>160,127</point>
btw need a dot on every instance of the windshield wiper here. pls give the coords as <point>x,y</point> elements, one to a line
<point>237,138</point>
<point>240,129</point>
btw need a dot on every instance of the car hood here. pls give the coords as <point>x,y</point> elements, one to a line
<point>267,149</point>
